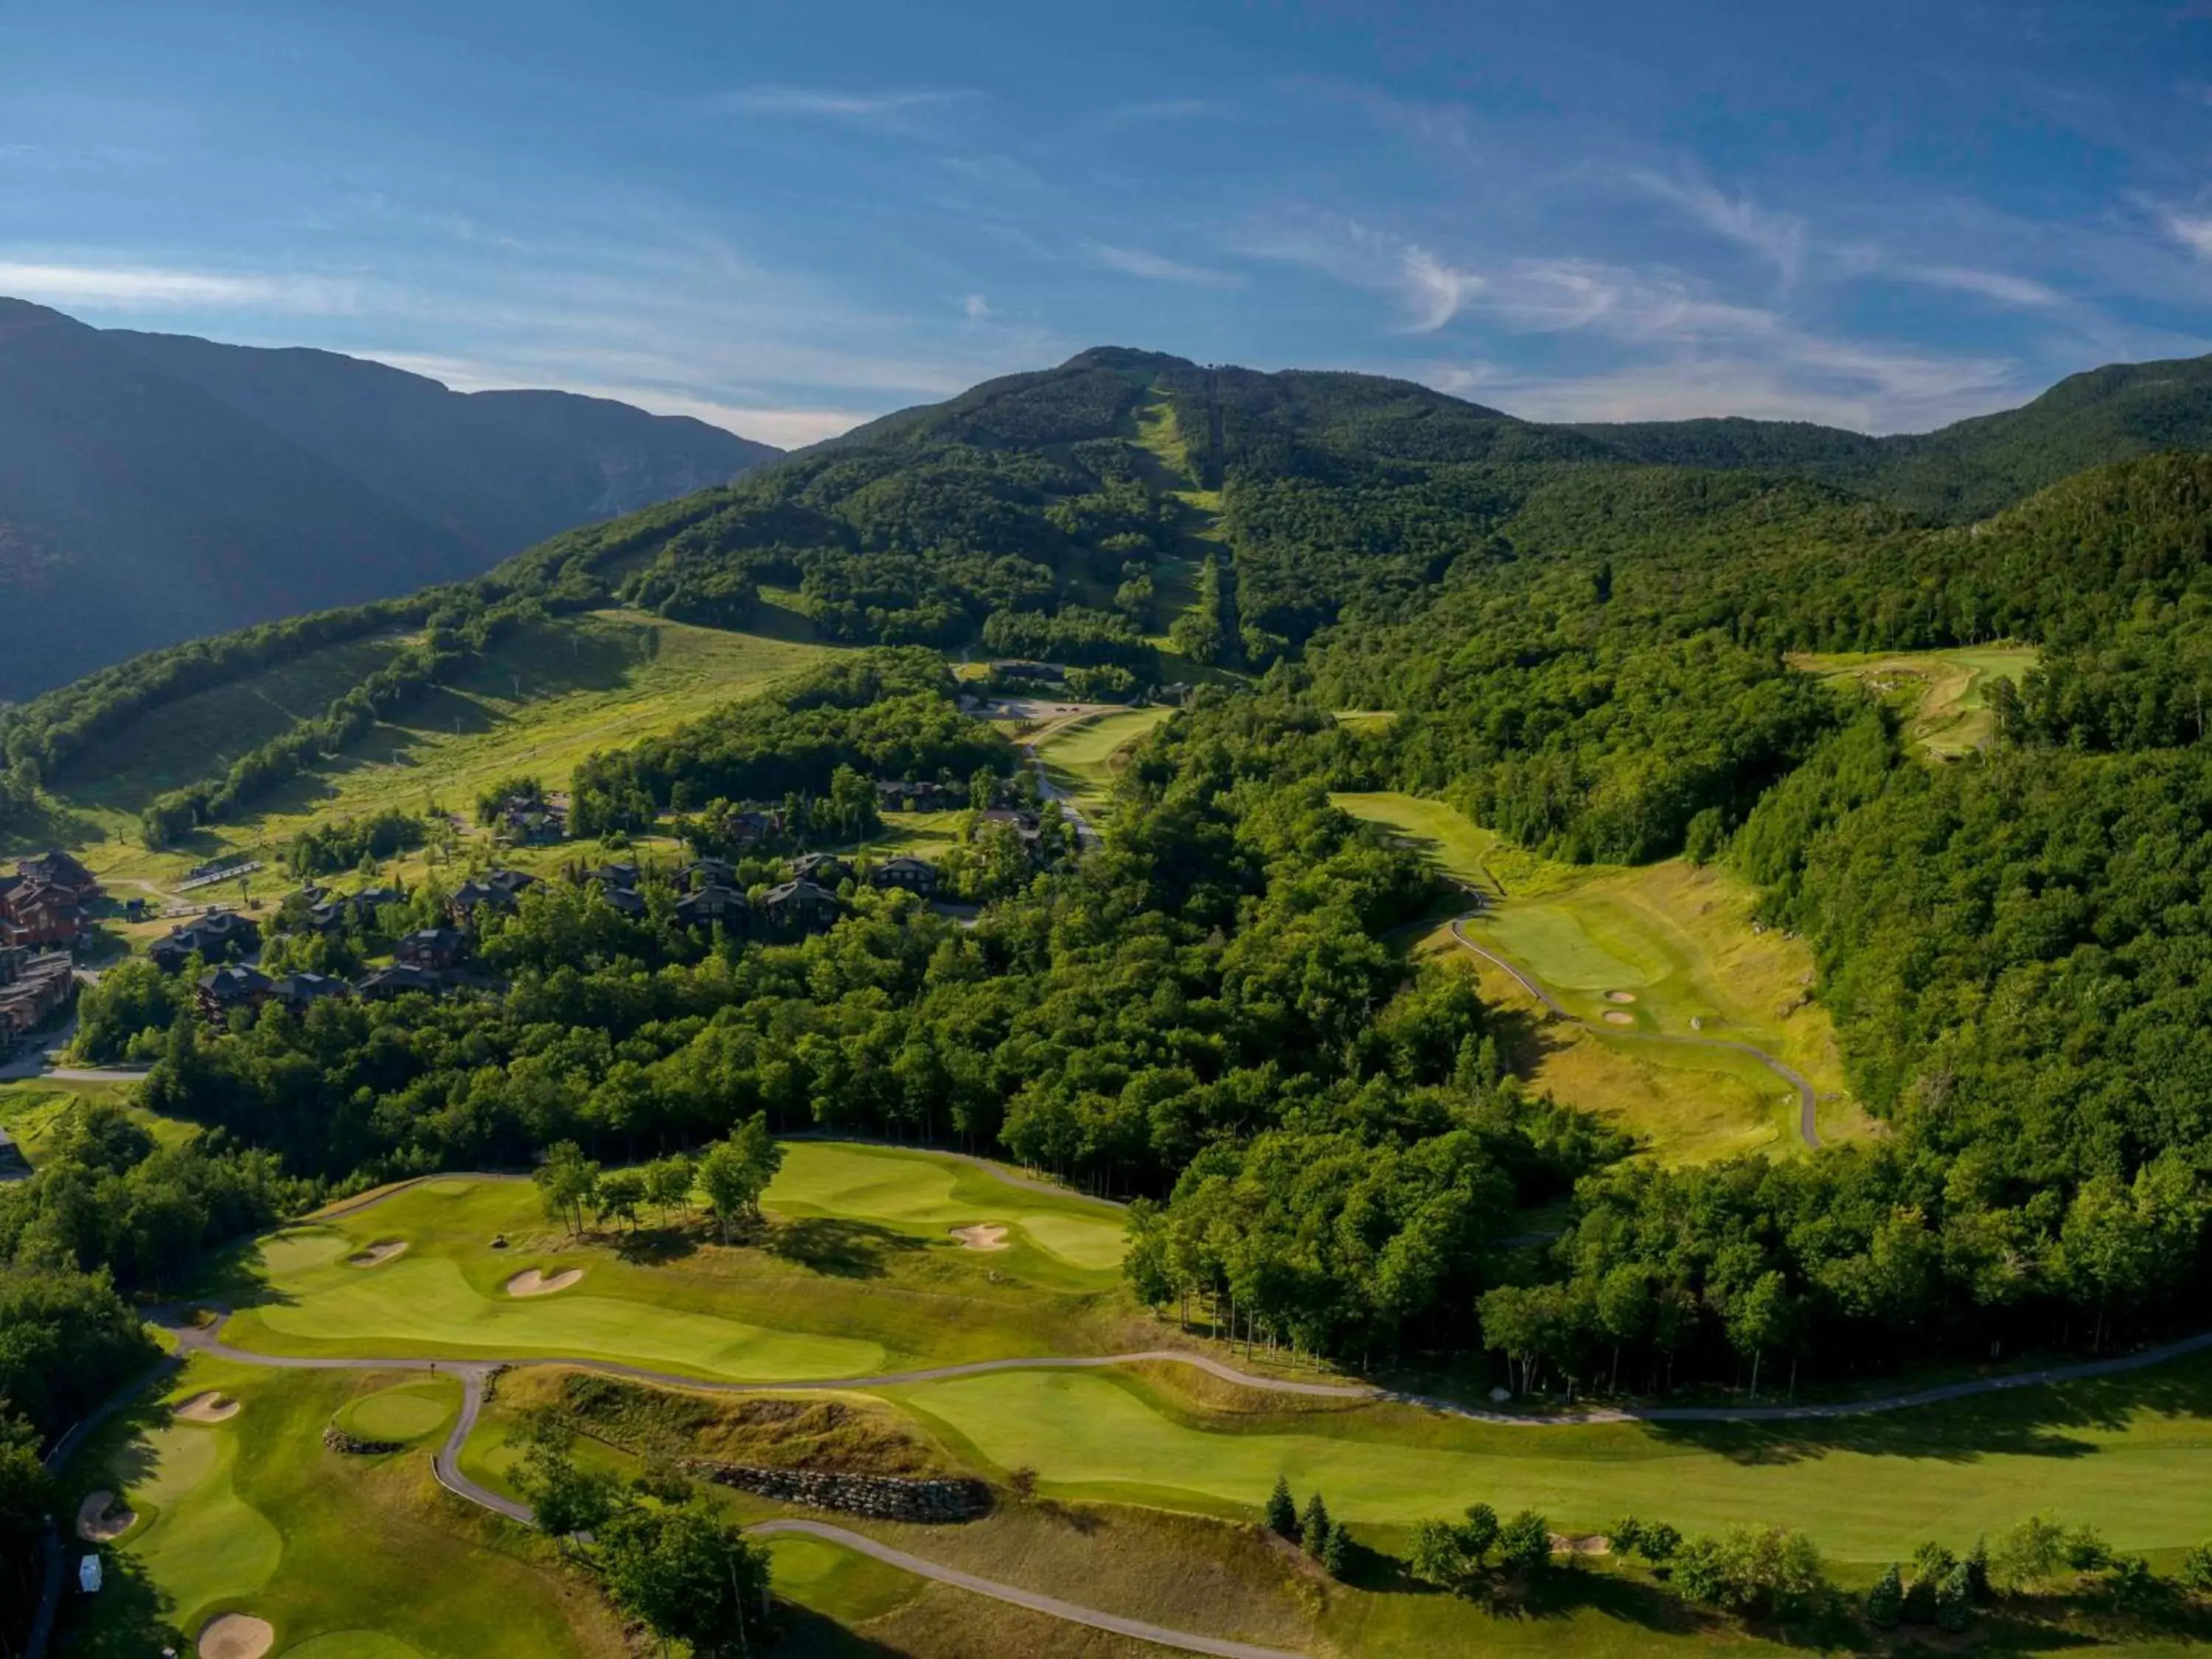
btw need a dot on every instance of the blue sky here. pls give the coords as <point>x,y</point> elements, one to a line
<point>789,217</point>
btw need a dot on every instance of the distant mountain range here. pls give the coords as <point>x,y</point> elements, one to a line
<point>156,487</point>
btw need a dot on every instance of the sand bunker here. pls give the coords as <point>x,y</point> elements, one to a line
<point>1620,996</point>
<point>980,1238</point>
<point>100,1519</point>
<point>377,1253</point>
<point>1615,1017</point>
<point>209,1407</point>
<point>237,1636</point>
<point>534,1283</point>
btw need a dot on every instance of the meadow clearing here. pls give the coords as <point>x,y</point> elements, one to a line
<point>1666,950</point>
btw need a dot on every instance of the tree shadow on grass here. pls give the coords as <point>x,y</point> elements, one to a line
<point>656,1247</point>
<point>2039,1421</point>
<point>807,1634</point>
<point>838,1248</point>
<point>129,1618</point>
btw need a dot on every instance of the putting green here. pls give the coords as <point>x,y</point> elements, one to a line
<point>1077,1240</point>
<point>423,1304</point>
<point>349,1557</point>
<point>929,1194</point>
<point>408,1412</point>
<point>206,1544</point>
<point>2145,1477</point>
<point>1557,944</point>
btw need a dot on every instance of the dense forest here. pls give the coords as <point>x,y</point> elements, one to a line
<point>1584,638</point>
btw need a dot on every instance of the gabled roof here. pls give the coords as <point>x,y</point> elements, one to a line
<point>233,981</point>
<point>799,890</point>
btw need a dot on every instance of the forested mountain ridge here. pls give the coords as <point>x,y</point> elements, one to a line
<point>1589,656</point>
<point>154,488</point>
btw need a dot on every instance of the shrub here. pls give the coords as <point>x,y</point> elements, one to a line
<point>1524,1543</point>
<point>1885,1602</point>
<point>2196,1568</point>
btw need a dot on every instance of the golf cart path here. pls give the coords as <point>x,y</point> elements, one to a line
<point>475,1374</point>
<point>1808,1125</point>
<point>206,1339</point>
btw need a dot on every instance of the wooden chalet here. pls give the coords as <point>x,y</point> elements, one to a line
<point>499,890</point>
<point>219,936</point>
<point>434,949</point>
<point>914,875</point>
<point>33,984</point>
<point>713,905</point>
<point>826,869</point>
<point>233,986</point>
<point>400,980</point>
<point>799,907</point>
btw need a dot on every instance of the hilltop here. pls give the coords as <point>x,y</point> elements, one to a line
<point>154,488</point>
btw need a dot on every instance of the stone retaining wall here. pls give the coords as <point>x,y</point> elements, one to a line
<point>881,1497</point>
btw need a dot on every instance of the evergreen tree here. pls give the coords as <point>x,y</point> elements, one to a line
<point>1955,1599</point>
<point>1885,1602</point>
<point>1282,1512</point>
<point>1313,1527</point>
<point>1336,1554</point>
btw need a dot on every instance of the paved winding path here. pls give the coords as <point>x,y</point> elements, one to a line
<point>1808,1124</point>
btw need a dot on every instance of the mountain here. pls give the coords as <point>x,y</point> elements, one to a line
<point>154,488</point>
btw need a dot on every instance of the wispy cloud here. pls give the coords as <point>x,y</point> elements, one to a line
<point>1776,237</point>
<point>976,307</point>
<point>1158,268</point>
<point>1998,285</point>
<point>2193,232</point>
<point>1154,110</point>
<point>834,103</point>
<point>1427,291</point>
<point>143,288</point>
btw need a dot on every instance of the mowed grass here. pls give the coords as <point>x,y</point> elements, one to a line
<point>1943,694</point>
<point>929,1194</point>
<point>349,1558</point>
<point>1668,950</point>
<point>2132,1456</point>
<point>856,1273</point>
<point>1080,757</point>
<point>542,700</point>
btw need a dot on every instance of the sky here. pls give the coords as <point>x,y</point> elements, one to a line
<point>788,218</point>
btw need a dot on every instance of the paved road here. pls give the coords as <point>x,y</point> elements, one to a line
<point>1808,1124</point>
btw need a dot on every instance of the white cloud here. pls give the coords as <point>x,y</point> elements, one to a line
<point>1789,375</point>
<point>1435,290</point>
<point>1998,285</point>
<point>1778,238</point>
<point>976,307</point>
<point>2193,232</point>
<point>1158,268</point>
<point>836,105</point>
<point>141,288</point>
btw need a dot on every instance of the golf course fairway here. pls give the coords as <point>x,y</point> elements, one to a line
<point>1866,1490</point>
